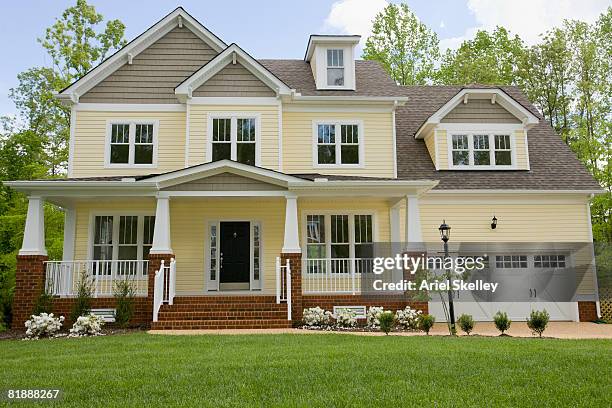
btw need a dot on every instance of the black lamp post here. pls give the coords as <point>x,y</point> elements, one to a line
<point>445,230</point>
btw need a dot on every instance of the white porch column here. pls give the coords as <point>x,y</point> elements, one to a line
<point>291,244</point>
<point>394,220</point>
<point>161,233</point>
<point>34,234</point>
<point>413,220</point>
<point>69,231</point>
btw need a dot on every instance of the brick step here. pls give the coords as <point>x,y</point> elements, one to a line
<point>220,324</point>
<point>225,307</point>
<point>223,299</point>
<point>223,315</point>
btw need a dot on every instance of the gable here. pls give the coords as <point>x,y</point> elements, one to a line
<point>224,182</point>
<point>479,111</point>
<point>155,72</point>
<point>234,80</point>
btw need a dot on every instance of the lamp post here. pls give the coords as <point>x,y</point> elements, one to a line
<point>445,236</point>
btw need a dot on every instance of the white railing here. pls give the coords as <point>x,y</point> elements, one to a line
<point>334,275</point>
<point>164,286</point>
<point>283,284</point>
<point>62,277</point>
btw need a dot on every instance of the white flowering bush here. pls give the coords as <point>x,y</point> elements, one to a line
<point>373,316</point>
<point>90,325</point>
<point>316,317</point>
<point>408,319</point>
<point>345,318</point>
<point>43,325</point>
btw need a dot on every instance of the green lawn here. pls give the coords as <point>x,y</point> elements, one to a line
<point>312,370</point>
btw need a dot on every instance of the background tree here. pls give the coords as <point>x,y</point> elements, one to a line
<point>405,46</point>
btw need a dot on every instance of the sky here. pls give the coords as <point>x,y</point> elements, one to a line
<point>280,29</point>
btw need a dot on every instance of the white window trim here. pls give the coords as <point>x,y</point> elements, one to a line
<point>116,224</point>
<point>213,285</point>
<point>337,123</point>
<point>327,221</point>
<point>491,134</point>
<point>327,67</point>
<point>234,116</point>
<point>132,123</point>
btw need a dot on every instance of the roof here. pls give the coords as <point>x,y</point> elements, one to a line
<point>553,165</point>
<point>371,78</point>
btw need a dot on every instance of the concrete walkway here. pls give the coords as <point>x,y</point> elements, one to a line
<point>561,330</point>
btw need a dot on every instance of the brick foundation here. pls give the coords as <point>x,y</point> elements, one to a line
<point>393,303</point>
<point>295,261</point>
<point>142,309</point>
<point>29,284</point>
<point>587,311</point>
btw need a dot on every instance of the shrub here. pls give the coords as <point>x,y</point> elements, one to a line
<point>373,316</point>
<point>90,325</point>
<point>387,321</point>
<point>43,325</point>
<point>316,317</point>
<point>501,321</point>
<point>466,323</point>
<point>537,321</point>
<point>408,318</point>
<point>44,303</point>
<point>426,322</point>
<point>124,294</point>
<point>82,303</point>
<point>345,318</point>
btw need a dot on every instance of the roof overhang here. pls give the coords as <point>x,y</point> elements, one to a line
<point>231,55</point>
<point>178,17</point>
<point>329,39</point>
<point>496,95</point>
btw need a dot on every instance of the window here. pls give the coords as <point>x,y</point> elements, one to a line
<point>549,261</point>
<point>122,238</point>
<point>335,67</point>
<point>474,150</point>
<point>332,241</point>
<point>334,150</point>
<point>511,261</point>
<point>132,143</point>
<point>234,138</point>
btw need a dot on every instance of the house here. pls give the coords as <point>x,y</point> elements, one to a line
<point>235,192</point>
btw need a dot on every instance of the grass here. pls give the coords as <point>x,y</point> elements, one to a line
<point>311,370</point>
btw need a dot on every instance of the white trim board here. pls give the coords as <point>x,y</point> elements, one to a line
<point>130,107</point>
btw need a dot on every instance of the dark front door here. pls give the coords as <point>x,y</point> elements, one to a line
<point>235,252</point>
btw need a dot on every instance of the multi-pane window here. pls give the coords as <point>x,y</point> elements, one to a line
<point>511,261</point>
<point>333,150</point>
<point>234,138</point>
<point>549,261</point>
<point>132,143</point>
<point>256,252</point>
<point>122,238</point>
<point>332,241</point>
<point>213,252</point>
<point>335,67</point>
<point>481,149</point>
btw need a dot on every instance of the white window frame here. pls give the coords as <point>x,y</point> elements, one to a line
<point>481,129</point>
<point>338,143</point>
<point>132,142</point>
<point>234,116</point>
<point>327,225</point>
<point>343,67</point>
<point>115,241</point>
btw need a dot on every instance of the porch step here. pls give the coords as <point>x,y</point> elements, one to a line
<point>223,315</point>
<point>221,324</point>
<point>181,300</point>
<point>189,307</point>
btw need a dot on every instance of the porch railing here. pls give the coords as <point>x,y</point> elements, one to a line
<point>283,284</point>
<point>62,277</point>
<point>334,275</point>
<point>164,289</point>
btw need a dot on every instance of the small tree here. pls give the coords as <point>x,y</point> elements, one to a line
<point>537,321</point>
<point>426,322</point>
<point>82,303</point>
<point>387,321</point>
<point>466,323</point>
<point>501,321</point>
<point>124,294</point>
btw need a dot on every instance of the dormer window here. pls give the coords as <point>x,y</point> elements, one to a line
<point>335,67</point>
<point>480,150</point>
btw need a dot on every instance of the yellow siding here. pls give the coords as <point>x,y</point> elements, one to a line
<point>198,127</point>
<point>442,149</point>
<point>521,150</point>
<point>90,138</point>
<point>378,136</point>
<point>430,143</point>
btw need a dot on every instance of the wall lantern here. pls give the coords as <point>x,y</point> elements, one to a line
<point>494,222</point>
<point>444,231</point>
